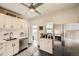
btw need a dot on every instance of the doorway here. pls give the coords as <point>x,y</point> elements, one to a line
<point>35,35</point>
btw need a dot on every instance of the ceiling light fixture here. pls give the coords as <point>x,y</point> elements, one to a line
<point>33,7</point>
<point>32,10</point>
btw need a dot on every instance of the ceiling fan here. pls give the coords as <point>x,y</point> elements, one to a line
<point>33,7</point>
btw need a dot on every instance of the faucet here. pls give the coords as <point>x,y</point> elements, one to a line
<point>11,33</point>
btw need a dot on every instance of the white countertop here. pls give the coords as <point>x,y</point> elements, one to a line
<point>2,41</point>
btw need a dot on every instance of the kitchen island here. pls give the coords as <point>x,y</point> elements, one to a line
<point>47,42</point>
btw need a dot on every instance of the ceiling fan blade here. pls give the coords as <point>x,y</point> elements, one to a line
<point>24,5</point>
<point>38,12</point>
<point>37,5</point>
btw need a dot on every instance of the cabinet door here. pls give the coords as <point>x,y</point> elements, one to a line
<point>2,49</point>
<point>12,47</point>
<point>2,16</point>
<point>46,45</point>
<point>41,44</point>
<point>24,24</point>
<point>9,48</point>
<point>8,22</point>
<point>19,23</point>
<point>14,25</point>
<point>49,47</point>
<point>16,46</point>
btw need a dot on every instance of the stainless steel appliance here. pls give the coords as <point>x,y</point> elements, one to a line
<point>23,43</point>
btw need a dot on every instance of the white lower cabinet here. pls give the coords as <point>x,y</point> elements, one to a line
<point>12,47</point>
<point>9,48</point>
<point>46,45</point>
<point>16,47</point>
<point>2,49</point>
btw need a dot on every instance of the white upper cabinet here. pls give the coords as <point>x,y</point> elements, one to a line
<point>19,23</point>
<point>24,24</point>
<point>8,22</point>
<point>73,26</point>
<point>2,21</point>
<point>14,24</point>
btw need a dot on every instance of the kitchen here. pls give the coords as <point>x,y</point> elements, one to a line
<point>13,33</point>
<point>27,29</point>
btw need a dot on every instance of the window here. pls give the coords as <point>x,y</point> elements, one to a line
<point>49,27</point>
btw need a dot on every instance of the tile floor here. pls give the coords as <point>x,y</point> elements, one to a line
<point>28,52</point>
<point>34,51</point>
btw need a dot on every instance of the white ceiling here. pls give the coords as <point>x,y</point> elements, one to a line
<point>44,9</point>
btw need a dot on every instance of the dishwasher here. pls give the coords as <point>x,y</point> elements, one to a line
<point>23,43</point>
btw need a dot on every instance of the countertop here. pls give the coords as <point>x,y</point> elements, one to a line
<point>23,38</point>
<point>20,38</point>
<point>2,41</point>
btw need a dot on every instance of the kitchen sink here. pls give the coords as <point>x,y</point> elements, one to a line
<point>10,39</point>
